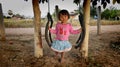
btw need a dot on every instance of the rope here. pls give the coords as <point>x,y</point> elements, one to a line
<point>82,34</point>
<point>48,36</point>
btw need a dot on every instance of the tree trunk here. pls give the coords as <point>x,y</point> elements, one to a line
<point>38,49</point>
<point>2,28</point>
<point>57,11</point>
<point>99,20</point>
<point>84,46</point>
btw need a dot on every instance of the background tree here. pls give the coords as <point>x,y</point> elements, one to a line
<point>104,4</point>
<point>2,28</point>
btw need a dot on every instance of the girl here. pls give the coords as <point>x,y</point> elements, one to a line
<point>63,30</point>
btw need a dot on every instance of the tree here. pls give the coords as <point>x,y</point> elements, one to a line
<point>2,29</point>
<point>98,9</point>
<point>86,10</point>
<point>37,35</point>
<point>104,4</point>
<point>38,49</point>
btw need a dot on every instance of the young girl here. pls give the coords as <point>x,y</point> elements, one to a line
<point>63,30</point>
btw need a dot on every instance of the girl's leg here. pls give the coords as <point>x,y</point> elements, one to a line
<point>62,57</point>
<point>56,54</point>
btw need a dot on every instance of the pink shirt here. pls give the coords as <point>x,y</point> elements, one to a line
<point>63,31</point>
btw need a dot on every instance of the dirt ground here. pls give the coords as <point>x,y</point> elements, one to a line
<point>104,51</point>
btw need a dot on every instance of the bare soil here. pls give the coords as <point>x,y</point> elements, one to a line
<point>104,50</point>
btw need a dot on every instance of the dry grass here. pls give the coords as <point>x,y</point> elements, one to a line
<point>105,22</point>
<point>17,23</point>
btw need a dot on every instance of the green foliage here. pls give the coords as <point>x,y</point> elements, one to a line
<point>110,14</point>
<point>105,14</point>
<point>92,12</point>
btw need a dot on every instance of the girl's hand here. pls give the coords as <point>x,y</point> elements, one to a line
<point>49,28</point>
<point>80,29</point>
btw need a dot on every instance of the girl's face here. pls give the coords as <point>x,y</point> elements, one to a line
<point>63,18</point>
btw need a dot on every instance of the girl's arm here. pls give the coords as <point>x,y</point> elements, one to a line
<point>74,31</point>
<point>53,31</point>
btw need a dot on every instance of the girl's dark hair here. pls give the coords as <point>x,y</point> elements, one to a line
<point>63,12</point>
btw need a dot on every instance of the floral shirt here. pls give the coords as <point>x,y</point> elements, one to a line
<point>63,31</point>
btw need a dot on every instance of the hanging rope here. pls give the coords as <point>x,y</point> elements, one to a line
<point>48,24</point>
<point>82,34</point>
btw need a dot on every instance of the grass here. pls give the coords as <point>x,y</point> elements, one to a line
<point>26,23</point>
<point>18,23</point>
<point>105,22</point>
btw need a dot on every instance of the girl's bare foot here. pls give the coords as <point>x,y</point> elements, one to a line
<point>62,57</point>
<point>56,56</point>
<point>62,60</point>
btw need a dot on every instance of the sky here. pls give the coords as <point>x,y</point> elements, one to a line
<point>25,8</point>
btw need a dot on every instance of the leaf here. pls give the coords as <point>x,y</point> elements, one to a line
<point>39,1</point>
<point>104,5</point>
<point>94,3</point>
<point>108,1</point>
<point>102,2</point>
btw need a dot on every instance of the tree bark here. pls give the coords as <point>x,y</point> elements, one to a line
<point>57,11</point>
<point>99,20</point>
<point>2,28</point>
<point>84,46</point>
<point>38,49</point>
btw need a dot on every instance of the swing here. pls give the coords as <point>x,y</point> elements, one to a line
<point>48,37</point>
<point>82,34</point>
